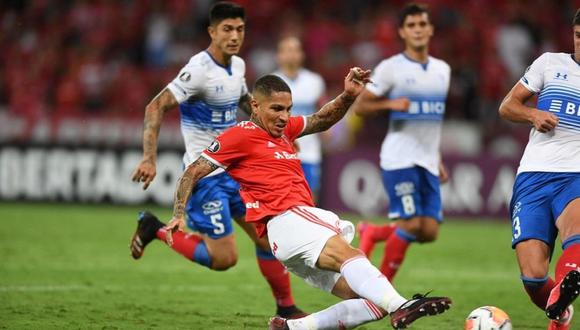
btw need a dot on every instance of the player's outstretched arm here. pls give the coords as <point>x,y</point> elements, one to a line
<point>513,108</point>
<point>146,169</point>
<point>193,173</point>
<point>333,111</point>
<point>368,104</point>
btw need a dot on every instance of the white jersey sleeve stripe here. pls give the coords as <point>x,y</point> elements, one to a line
<point>213,161</point>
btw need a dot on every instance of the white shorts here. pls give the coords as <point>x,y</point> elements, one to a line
<point>297,238</point>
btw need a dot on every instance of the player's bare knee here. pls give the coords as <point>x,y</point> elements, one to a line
<point>411,226</point>
<point>335,253</point>
<point>534,271</point>
<point>342,290</point>
<point>427,236</point>
<point>224,262</point>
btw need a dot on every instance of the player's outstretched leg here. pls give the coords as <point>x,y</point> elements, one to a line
<point>147,227</point>
<point>418,307</point>
<point>189,245</point>
<point>350,313</point>
<point>366,281</point>
<point>346,314</point>
<point>563,295</point>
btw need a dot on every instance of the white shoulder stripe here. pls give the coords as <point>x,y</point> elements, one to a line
<point>304,125</point>
<point>213,161</point>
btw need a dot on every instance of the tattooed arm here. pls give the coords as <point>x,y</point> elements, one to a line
<point>194,172</point>
<point>333,111</point>
<point>154,111</point>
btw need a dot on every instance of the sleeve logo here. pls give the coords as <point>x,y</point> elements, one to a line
<point>214,146</point>
<point>185,76</point>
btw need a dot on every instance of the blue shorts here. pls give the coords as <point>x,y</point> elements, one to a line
<point>413,192</point>
<point>538,200</point>
<point>312,175</point>
<point>214,202</point>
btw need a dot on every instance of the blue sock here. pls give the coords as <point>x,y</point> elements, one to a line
<point>201,255</point>
<point>406,236</point>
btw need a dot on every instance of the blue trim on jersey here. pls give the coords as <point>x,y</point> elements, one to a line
<point>200,114</point>
<point>424,107</point>
<point>572,240</point>
<point>557,99</point>
<point>423,65</point>
<point>568,125</point>
<point>533,282</point>
<point>264,254</point>
<point>227,68</point>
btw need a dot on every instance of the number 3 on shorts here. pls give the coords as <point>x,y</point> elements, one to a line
<point>219,226</point>
<point>517,228</point>
<point>408,204</point>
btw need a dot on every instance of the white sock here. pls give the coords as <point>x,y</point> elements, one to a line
<point>368,282</point>
<point>346,314</point>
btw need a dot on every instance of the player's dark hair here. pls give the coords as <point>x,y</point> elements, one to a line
<point>576,20</point>
<point>224,10</point>
<point>268,84</point>
<point>412,9</point>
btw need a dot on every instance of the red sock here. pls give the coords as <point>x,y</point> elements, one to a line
<point>382,233</point>
<point>395,249</point>
<point>186,244</point>
<point>569,260</point>
<point>278,278</point>
<point>539,294</point>
<point>372,234</point>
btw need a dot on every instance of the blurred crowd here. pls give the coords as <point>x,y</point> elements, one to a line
<point>109,58</point>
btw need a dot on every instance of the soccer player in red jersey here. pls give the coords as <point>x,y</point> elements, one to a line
<point>312,243</point>
<point>209,89</point>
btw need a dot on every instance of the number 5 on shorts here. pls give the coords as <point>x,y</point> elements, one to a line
<point>216,221</point>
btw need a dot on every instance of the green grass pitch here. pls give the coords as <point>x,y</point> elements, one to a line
<point>68,267</point>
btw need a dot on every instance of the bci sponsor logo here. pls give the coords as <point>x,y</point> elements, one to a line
<point>427,107</point>
<point>564,107</point>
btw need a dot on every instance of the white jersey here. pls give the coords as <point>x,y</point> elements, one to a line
<point>307,88</point>
<point>208,94</point>
<point>556,77</point>
<point>414,136</point>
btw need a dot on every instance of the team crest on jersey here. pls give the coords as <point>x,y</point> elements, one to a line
<point>185,76</point>
<point>214,146</point>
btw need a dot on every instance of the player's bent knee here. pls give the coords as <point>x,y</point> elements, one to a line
<point>335,253</point>
<point>224,262</point>
<point>534,271</point>
<point>342,290</point>
<point>427,236</point>
<point>411,226</point>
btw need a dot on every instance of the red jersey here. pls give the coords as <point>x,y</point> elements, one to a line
<point>267,168</point>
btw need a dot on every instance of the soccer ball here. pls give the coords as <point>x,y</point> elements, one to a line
<point>488,318</point>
